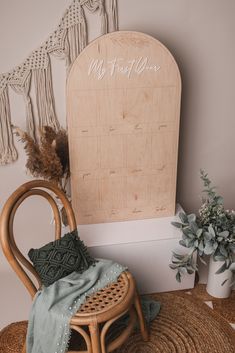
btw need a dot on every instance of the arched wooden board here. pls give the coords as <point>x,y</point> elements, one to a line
<point>123,105</point>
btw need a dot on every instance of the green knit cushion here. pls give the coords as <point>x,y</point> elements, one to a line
<point>59,258</point>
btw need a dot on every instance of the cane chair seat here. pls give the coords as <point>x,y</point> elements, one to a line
<point>106,298</point>
<point>101,309</point>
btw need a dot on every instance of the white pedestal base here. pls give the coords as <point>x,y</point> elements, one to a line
<point>145,246</point>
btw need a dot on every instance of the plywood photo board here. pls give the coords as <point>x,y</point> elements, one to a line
<point>123,110</point>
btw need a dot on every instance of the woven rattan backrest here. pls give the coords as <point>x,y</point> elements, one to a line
<point>16,259</point>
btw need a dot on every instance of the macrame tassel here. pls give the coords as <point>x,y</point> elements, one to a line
<point>104,19</point>
<point>29,115</point>
<point>76,39</point>
<point>93,6</point>
<point>112,15</point>
<point>24,91</point>
<point>8,152</point>
<point>45,98</point>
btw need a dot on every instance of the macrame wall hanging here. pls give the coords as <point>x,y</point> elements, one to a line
<point>66,42</point>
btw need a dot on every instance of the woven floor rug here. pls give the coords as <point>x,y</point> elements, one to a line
<point>226,307</point>
<point>184,325</point>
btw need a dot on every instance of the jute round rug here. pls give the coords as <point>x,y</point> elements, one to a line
<point>12,337</point>
<point>225,307</point>
<point>184,325</point>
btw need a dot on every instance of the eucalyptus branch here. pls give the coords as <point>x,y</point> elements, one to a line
<point>212,232</point>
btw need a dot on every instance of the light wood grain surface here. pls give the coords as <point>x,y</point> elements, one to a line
<point>123,109</point>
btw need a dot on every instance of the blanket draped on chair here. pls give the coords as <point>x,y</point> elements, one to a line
<point>54,306</point>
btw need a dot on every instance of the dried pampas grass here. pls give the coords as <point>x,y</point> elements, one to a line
<point>47,158</point>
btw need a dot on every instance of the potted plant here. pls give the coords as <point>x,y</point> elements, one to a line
<point>211,232</point>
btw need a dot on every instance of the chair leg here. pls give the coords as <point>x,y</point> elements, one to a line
<point>143,326</point>
<point>24,348</point>
<point>95,338</point>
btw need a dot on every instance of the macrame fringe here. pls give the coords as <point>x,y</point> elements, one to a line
<point>24,91</point>
<point>45,98</point>
<point>104,19</point>
<point>66,42</point>
<point>8,152</point>
<point>112,15</point>
<point>76,40</point>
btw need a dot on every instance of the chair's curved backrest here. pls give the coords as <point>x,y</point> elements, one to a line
<point>16,259</point>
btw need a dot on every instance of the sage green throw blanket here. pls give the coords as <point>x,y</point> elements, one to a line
<point>53,306</point>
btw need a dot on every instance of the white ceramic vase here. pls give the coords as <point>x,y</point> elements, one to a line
<point>214,282</point>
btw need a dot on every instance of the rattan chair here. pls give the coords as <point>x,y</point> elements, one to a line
<point>100,310</point>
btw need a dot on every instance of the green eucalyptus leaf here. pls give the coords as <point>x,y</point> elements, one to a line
<point>208,236</point>
<point>191,218</point>
<point>223,251</point>
<point>201,245</point>
<point>178,256</point>
<point>219,258</point>
<point>183,217</point>
<point>184,236</point>
<point>199,232</point>
<point>208,249</point>
<point>173,267</point>
<point>182,242</point>
<point>190,272</point>
<point>177,224</point>
<point>224,234</point>
<point>187,231</point>
<point>211,230</point>
<point>191,236</point>
<point>200,253</point>
<point>219,200</point>
<point>182,270</point>
<point>191,244</point>
<point>178,277</point>
<point>194,227</point>
<point>221,269</point>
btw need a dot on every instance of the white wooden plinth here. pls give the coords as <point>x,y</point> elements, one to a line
<point>145,246</point>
